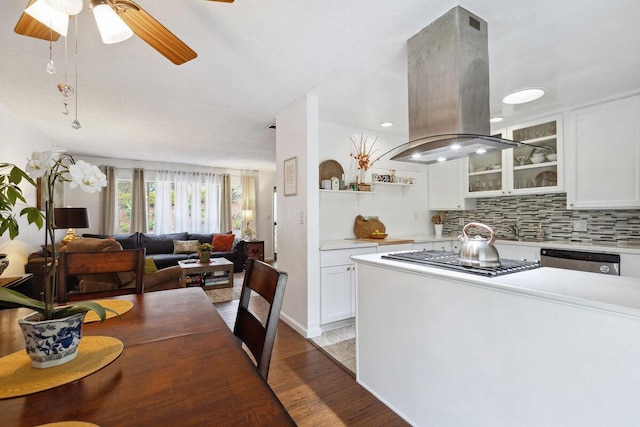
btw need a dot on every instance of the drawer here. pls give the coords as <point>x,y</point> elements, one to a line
<point>342,256</point>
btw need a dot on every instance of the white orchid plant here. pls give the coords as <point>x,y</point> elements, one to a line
<point>55,166</point>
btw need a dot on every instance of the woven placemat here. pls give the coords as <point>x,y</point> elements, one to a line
<point>19,378</point>
<point>118,305</point>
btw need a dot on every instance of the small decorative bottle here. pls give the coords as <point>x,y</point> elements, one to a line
<point>540,232</point>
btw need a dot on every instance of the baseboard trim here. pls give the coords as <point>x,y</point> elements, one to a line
<point>307,333</point>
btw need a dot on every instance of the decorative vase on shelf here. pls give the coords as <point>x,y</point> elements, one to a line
<point>438,228</point>
<point>361,176</point>
<point>52,342</point>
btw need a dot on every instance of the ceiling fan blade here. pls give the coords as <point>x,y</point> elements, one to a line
<point>153,32</point>
<point>31,27</point>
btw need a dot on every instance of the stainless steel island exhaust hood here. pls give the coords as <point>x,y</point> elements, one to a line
<point>448,67</point>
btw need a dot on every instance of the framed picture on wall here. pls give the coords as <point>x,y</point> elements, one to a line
<point>42,194</point>
<point>290,177</point>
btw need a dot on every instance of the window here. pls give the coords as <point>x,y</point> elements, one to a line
<point>124,189</point>
<point>236,209</point>
<point>171,200</point>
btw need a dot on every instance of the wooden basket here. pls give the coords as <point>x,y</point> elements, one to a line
<point>363,227</point>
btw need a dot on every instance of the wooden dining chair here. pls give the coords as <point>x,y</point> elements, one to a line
<point>91,263</point>
<point>257,335</point>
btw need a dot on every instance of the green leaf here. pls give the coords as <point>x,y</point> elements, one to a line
<point>16,175</point>
<point>81,307</point>
<point>34,216</point>
<point>11,298</point>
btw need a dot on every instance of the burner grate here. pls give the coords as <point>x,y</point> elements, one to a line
<point>451,261</point>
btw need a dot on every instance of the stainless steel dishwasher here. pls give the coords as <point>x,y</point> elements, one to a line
<point>594,262</point>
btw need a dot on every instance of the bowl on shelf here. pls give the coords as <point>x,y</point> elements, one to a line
<point>537,159</point>
<point>552,157</point>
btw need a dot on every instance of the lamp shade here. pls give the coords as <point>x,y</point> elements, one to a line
<point>68,7</point>
<point>52,18</point>
<point>247,215</point>
<point>111,27</point>
<point>71,218</point>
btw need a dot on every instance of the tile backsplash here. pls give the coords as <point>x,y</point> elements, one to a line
<point>550,210</point>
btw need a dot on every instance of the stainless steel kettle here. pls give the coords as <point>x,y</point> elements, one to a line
<point>477,251</point>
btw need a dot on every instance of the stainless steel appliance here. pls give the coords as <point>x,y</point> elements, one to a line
<point>593,262</point>
<point>478,251</point>
<point>452,261</point>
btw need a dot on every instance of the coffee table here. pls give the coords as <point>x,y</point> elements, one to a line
<point>194,267</point>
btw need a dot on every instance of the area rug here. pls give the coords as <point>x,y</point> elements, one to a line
<point>226,294</point>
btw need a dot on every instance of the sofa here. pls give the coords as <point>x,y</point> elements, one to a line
<point>156,280</point>
<point>161,247</point>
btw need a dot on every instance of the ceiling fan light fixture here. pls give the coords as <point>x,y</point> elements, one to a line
<point>45,14</point>
<point>111,27</point>
<point>68,7</point>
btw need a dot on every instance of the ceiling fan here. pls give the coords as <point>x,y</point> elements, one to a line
<point>126,18</point>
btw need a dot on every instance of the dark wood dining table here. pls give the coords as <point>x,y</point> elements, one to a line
<point>181,366</point>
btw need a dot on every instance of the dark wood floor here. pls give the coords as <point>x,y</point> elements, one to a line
<point>312,387</point>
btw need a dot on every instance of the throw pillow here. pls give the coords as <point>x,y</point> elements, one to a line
<point>149,266</point>
<point>185,246</point>
<point>222,242</point>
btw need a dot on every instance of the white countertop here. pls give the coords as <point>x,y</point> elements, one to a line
<point>607,247</point>
<point>616,294</point>
<point>612,247</point>
<point>349,243</point>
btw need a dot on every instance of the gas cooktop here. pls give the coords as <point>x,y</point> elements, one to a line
<point>451,261</point>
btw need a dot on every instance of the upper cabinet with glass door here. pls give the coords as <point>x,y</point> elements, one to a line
<point>487,172</point>
<point>528,169</point>
<point>536,168</point>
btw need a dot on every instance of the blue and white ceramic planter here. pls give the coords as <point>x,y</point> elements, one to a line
<point>51,342</point>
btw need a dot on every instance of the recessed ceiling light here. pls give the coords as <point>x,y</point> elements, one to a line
<point>496,119</point>
<point>416,155</point>
<point>455,146</point>
<point>522,96</point>
<point>481,151</point>
<point>442,159</point>
<point>386,124</point>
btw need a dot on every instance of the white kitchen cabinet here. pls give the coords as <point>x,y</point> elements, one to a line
<point>603,155</point>
<point>447,186</point>
<point>630,265</point>
<point>337,283</point>
<point>516,170</point>
<point>507,251</point>
<point>395,248</point>
<point>425,246</point>
<point>337,299</point>
<point>445,245</point>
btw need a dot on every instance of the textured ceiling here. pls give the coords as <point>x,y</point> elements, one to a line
<point>256,57</point>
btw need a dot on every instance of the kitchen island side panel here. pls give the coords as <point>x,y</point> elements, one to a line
<point>442,352</point>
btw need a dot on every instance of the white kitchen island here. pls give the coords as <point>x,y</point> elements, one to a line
<point>544,347</point>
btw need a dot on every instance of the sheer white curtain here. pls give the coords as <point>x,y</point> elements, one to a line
<point>211,184</point>
<point>183,185</point>
<point>163,209</point>
<point>186,214</point>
